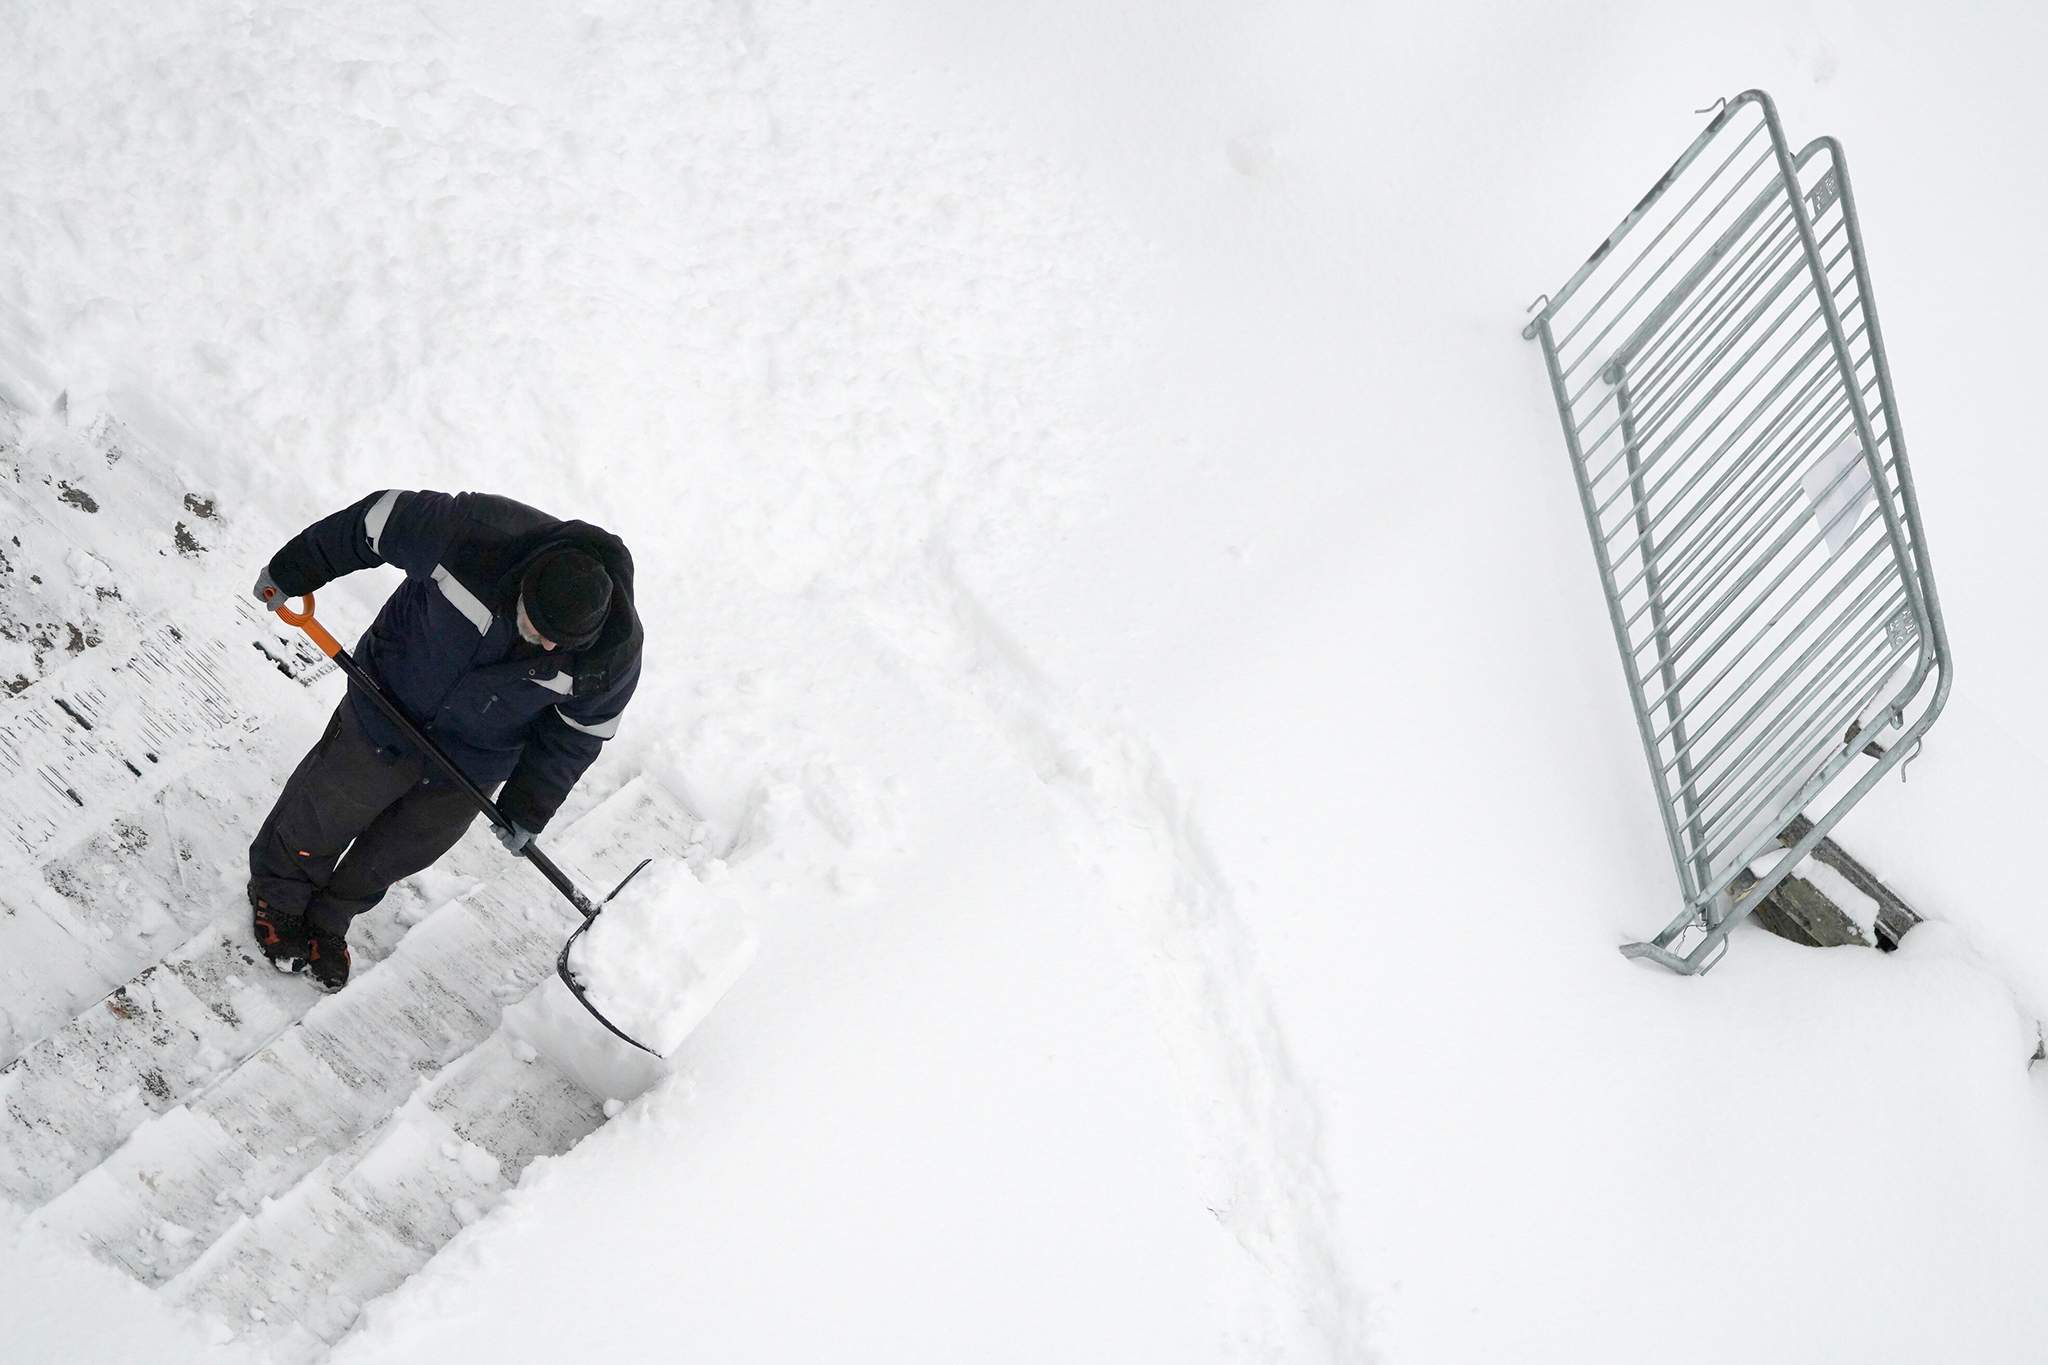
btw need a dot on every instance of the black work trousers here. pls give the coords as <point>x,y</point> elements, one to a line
<point>350,822</point>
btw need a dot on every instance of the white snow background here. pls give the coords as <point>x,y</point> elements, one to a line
<point>1114,582</point>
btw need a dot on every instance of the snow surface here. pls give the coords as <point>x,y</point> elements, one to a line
<point>1114,587</point>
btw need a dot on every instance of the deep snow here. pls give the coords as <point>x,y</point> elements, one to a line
<point>1116,590</point>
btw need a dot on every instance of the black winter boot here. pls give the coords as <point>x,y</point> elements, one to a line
<point>326,959</point>
<point>280,935</point>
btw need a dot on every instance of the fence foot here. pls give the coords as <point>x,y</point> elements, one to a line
<point>1696,963</point>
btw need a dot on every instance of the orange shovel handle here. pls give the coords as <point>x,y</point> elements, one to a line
<point>316,632</point>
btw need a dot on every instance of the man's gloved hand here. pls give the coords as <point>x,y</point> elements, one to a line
<point>515,837</point>
<point>267,592</point>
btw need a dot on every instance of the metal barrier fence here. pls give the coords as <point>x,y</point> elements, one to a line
<point>1728,410</point>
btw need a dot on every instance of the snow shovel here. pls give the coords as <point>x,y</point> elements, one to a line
<point>585,907</point>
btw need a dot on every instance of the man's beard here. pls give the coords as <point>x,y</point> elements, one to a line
<point>524,625</point>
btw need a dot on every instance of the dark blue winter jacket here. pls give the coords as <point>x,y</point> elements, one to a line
<point>446,649</point>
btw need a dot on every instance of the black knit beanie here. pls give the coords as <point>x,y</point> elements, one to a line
<point>567,593</point>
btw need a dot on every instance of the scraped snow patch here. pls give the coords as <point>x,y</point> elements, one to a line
<point>662,954</point>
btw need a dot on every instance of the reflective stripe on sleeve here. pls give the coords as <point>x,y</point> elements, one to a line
<point>378,515</point>
<point>465,601</point>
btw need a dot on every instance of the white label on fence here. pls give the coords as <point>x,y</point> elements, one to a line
<point>1839,488</point>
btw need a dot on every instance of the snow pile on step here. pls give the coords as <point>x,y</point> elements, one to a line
<point>663,954</point>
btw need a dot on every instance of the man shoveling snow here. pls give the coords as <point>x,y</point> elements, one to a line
<point>514,647</point>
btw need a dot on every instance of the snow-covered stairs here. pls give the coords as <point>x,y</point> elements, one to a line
<point>78,1094</point>
<point>281,1165</point>
<point>103,824</point>
<point>143,696</point>
<point>298,1272</point>
<point>137,1047</point>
